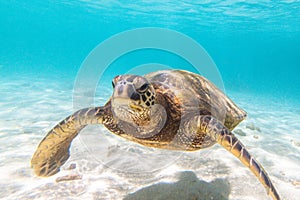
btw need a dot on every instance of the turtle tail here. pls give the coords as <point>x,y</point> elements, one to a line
<point>53,150</point>
<point>226,138</point>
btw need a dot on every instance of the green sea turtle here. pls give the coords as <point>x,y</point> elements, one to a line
<point>169,109</point>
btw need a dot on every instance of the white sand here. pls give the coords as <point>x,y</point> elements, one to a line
<point>113,168</point>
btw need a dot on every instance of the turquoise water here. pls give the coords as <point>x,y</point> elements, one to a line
<point>254,44</point>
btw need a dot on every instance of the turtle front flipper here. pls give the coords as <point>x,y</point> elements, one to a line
<point>220,134</point>
<point>53,150</point>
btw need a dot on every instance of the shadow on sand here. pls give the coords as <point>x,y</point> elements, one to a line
<point>189,187</point>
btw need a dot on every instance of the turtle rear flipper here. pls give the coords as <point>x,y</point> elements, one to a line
<point>53,150</point>
<point>219,133</point>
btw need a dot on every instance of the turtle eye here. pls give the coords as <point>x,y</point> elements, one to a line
<point>143,88</point>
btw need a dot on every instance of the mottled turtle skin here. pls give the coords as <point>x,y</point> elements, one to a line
<point>169,109</point>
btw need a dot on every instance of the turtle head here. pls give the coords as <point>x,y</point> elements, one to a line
<point>132,98</point>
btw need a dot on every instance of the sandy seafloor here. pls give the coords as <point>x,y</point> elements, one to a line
<point>113,168</point>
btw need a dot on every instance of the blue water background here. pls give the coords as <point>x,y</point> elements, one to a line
<point>255,44</point>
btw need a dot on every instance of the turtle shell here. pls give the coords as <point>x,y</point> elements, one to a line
<point>196,95</point>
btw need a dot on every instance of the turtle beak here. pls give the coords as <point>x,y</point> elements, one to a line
<point>126,102</point>
<point>119,101</point>
<point>120,98</point>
